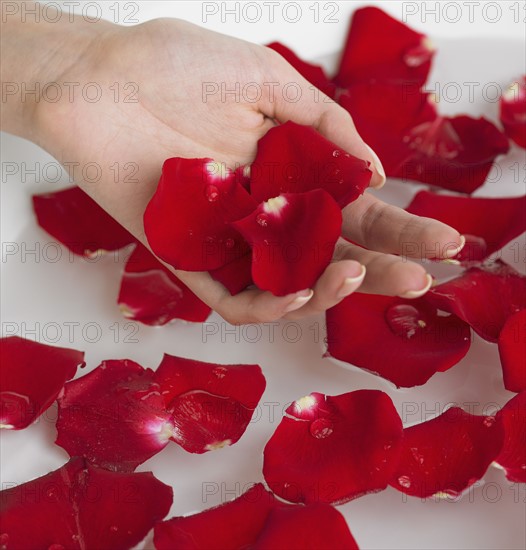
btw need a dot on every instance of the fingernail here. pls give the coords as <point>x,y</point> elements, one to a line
<point>417,293</point>
<point>451,252</point>
<point>350,283</point>
<point>379,168</point>
<point>302,297</point>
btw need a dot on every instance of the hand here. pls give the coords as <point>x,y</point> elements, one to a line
<point>167,62</point>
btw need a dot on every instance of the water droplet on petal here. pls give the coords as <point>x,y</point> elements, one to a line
<point>321,428</point>
<point>489,421</point>
<point>212,193</point>
<point>219,372</point>
<point>336,153</point>
<point>262,219</point>
<point>114,528</point>
<point>404,481</point>
<point>418,457</point>
<point>229,243</point>
<point>404,320</point>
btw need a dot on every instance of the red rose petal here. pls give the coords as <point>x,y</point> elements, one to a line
<point>385,128</point>
<point>235,524</point>
<point>447,454</point>
<point>317,526</point>
<point>153,295</point>
<point>80,506</point>
<point>454,153</point>
<point>293,159</point>
<point>232,525</point>
<point>187,220</point>
<point>313,73</point>
<point>416,342</point>
<point>257,520</point>
<point>513,455</point>
<point>476,218</point>
<point>292,238</point>
<point>211,404</point>
<point>484,296</point>
<point>512,344</point>
<point>513,111</point>
<point>333,449</point>
<point>79,223</point>
<point>114,416</point>
<point>415,143</point>
<point>380,48</point>
<point>236,275</point>
<point>31,377</point>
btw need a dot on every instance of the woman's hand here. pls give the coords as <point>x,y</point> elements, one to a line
<point>170,88</point>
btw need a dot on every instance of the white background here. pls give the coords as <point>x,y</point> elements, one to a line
<point>46,294</point>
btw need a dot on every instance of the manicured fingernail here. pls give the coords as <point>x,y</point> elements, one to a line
<point>451,252</point>
<point>350,284</point>
<point>302,297</point>
<point>379,168</point>
<point>417,293</point>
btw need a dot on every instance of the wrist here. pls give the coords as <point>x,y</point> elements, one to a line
<point>35,55</point>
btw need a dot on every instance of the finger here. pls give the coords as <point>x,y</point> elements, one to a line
<point>249,306</point>
<point>385,228</point>
<point>387,274</point>
<point>339,280</point>
<point>313,108</point>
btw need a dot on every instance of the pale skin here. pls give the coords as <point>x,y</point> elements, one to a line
<point>168,60</point>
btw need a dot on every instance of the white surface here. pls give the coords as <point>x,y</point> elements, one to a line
<point>43,295</point>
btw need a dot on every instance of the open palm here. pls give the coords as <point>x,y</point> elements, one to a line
<point>169,88</point>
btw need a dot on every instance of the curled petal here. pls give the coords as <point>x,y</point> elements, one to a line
<point>187,219</point>
<point>292,238</point>
<point>114,416</point>
<point>333,449</point>
<point>380,48</point>
<point>513,111</point>
<point>313,73</point>
<point>293,159</point>
<point>454,153</point>
<point>211,404</point>
<point>416,341</point>
<point>512,343</point>
<point>447,454</point>
<point>415,143</point>
<point>484,296</point>
<point>79,223</point>
<point>513,455</point>
<point>257,520</point>
<point>153,295</point>
<point>80,506</point>
<point>31,377</point>
<point>471,216</point>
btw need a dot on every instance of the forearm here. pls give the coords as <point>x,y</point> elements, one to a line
<point>35,53</point>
